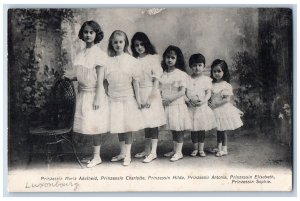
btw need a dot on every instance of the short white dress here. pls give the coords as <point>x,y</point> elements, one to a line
<point>227,116</point>
<point>202,117</point>
<point>125,116</point>
<point>87,120</point>
<point>177,114</point>
<point>151,68</point>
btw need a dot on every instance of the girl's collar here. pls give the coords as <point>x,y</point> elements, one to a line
<point>88,48</point>
<point>220,82</point>
<point>173,70</point>
<point>146,55</point>
<point>90,45</point>
<point>120,55</point>
<point>197,76</point>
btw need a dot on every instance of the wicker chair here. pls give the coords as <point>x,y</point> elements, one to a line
<point>58,131</point>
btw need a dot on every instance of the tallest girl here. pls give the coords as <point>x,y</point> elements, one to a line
<point>91,114</point>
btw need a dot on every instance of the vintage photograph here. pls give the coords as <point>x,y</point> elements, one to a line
<point>190,99</point>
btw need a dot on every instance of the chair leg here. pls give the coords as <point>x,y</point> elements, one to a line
<point>60,151</point>
<point>30,143</point>
<point>48,155</point>
<point>71,142</point>
<point>74,151</point>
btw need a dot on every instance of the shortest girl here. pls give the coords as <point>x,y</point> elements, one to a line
<point>227,116</point>
<point>198,94</point>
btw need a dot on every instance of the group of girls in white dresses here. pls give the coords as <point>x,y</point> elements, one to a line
<point>120,94</point>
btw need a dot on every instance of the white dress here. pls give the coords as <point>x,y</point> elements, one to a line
<point>87,120</point>
<point>202,117</point>
<point>151,68</point>
<point>177,114</point>
<point>227,116</point>
<point>124,113</point>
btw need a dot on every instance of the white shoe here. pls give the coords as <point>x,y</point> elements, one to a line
<point>94,162</point>
<point>202,154</point>
<point>117,158</point>
<point>140,155</point>
<point>194,153</point>
<point>127,161</point>
<point>213,150</point>
<point>221,153</point>
<point>86,160</point>
<point>169,154</point>
<point>176,157</point>
<point>150,158</point>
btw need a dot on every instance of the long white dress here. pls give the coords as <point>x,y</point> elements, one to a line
<point>202,117</point>
<point>227,116</point>
<point>177,114</point>
<point>124,113</point>
<point>151,68</point>
<point>87,120</point>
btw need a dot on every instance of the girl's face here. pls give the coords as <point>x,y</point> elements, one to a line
<point>89,34</point>
<point>139,47</point>
<point>171,58</point>
<point>197,68</point>
<point>118,44</point>
<point>218,73</point>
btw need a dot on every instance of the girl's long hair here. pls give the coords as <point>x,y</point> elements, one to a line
<point>180,64</point>
<point>149,48</point>
<point>110,49</point>
<point>224,67</point>
<point>96,28</point>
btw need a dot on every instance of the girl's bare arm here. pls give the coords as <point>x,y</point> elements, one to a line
<point>136,90</point>
<point>175,96</point>
<point>99,87</point>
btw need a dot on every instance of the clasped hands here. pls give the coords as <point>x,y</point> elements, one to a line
<point>196,102</point>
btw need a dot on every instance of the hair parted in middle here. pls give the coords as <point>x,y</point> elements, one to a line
<point>196,58</point>
<point>96,28</point>
<point>224,67</point>
<point>180,64</point>
<point>149,48</point>
<point>110,49</point>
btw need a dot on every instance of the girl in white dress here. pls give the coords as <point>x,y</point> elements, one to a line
<point>227,116</point>
<point>122,75</point>
<point>174,82</point>
<point>91,115</point>
<point>198,94</point>
<point>152,108</point>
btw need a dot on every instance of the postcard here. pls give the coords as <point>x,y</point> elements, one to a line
<point>98,99</point>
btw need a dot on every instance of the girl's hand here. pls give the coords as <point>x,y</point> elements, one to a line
<point>67,74</point>
<point>140,106</point>
<point>211,104</point>
<point>148,102</point>
<point>166,102</point>
<point>96,103</point>
<point>198,103</point>
<point>189,104</point>
<point>147,105</point>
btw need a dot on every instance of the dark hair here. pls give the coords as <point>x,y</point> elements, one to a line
<point>96,28</point>
<point>224,67</point>
<point>149,48</point>
<point>110,49</point>
<point>179,61</point>
<point>196,58</point>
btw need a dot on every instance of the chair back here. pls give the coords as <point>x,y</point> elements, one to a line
<point>62,104</point>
